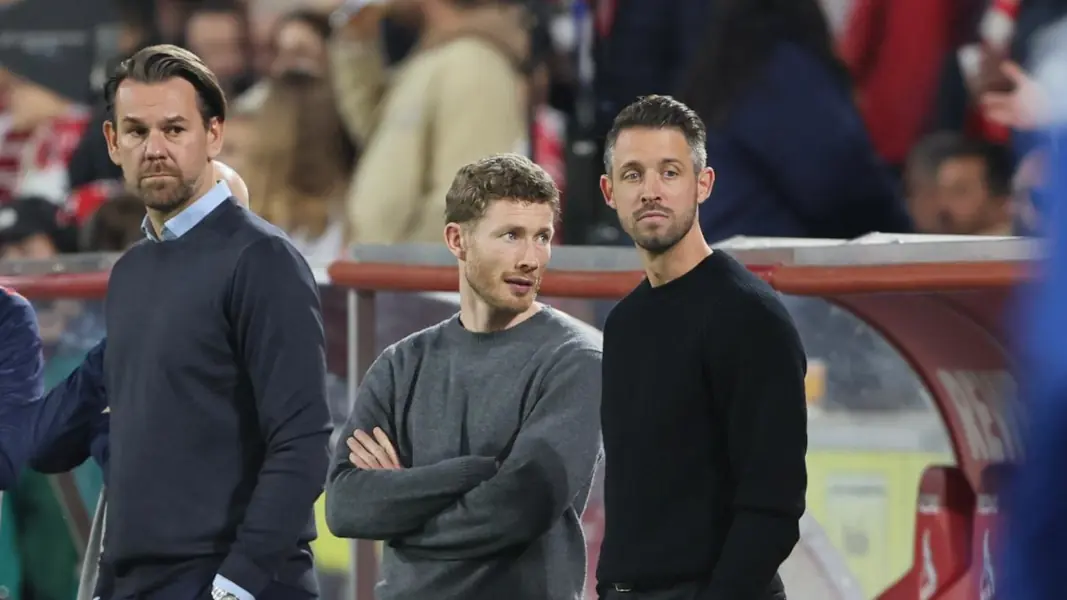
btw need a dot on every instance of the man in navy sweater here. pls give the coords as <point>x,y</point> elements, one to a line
<point>215,363</point>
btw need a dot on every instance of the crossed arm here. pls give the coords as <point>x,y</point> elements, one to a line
<point>467,507</point>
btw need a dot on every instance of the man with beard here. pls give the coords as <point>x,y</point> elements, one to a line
<point>215,363</point>
<point>703,388</point>
<point>474,442</point>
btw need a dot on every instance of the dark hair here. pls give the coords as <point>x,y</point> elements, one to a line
<point>929,152</point>
<point>742,37</point>
<point>997,159</point>
<point>115,226</point>
<point>156,64</point>
<point>660,112</point>
<point>498,177</point>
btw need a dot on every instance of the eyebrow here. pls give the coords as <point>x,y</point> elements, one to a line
<point>633,164</point>
<point>176,120</point>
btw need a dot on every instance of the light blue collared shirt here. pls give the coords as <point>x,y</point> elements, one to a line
<point>181,223</point>
<point>175,227</point>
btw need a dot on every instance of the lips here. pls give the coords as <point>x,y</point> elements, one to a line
<point>651,215</point>
<point>519,285</point>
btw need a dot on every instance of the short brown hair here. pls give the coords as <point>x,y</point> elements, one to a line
<point>156,64</point>
<point>498,177</point>
<point>660,112</point>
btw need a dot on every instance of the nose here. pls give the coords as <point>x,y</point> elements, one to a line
<point>529,260</point>
<point>154,146</point>
<point>651,190</point>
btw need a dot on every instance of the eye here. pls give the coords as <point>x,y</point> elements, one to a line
<point>173,130</point>
<point>630,176</point>
<point>511,236</point>
<point>544,238</point>
<point>670,173</point>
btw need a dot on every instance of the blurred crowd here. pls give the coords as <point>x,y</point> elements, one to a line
<point>826,119</point>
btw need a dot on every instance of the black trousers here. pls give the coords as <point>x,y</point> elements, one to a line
<point>195,584</point>
<point>690,590</point>
<point>681,591</point>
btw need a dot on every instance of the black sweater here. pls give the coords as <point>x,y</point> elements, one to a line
<point>215,374</point>
<point>705,432</point>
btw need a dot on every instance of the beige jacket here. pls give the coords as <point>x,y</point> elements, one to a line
<point>458,97</point>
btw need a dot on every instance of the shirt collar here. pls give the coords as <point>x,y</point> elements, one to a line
<point>181,223</point>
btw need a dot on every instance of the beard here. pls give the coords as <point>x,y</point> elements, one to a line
<point>490,287</point>
<point>165,194</point>
<point>661,239</point>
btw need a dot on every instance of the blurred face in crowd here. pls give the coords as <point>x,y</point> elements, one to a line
<point>504,254</point>
<point>37,246</point>
<point>240,136</point>
<point>298,47</point>
<point>922,199</point>
<point>216,37</point>
<point>160,140</point>
<point>654,186</point>
<point>966,205</point>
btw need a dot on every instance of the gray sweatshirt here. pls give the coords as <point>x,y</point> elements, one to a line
<point>499,434</point>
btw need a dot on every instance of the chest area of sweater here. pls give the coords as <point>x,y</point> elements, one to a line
<point>658,370</point>
<point>466,410</point>
<point>170,312</point>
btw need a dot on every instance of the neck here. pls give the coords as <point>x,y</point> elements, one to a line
<point>159,217</point>
<point>681,258</point>
<point>478,316</point>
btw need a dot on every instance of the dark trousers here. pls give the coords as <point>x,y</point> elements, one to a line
<point>681,591</point>
<point>690,590</point>
<point>195,584</point>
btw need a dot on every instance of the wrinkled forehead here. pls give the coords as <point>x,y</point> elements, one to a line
<point>153,103</point>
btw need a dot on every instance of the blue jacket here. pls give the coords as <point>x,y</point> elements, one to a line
<point>79,427</point>
<point>22,414</point>
<point>1035,547</point>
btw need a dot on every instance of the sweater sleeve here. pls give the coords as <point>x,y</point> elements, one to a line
<point>762,384</point>
<point>383,504</point>
<point>21,383</point>
<point>552,460</point>
<point>72,423</point>
<point>279,341</point>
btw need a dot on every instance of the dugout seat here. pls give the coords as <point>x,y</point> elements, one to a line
<point>944,522</point>
<point>983,575</point>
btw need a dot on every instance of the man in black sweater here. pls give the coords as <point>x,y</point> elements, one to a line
<point>215,364</point>
<point>703,412</point>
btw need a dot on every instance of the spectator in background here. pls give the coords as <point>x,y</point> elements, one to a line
<point>32,228</point>
<point>893,49</point>
<point>460,96</point>
<point>792,155</point>
<point>299,164</point>
<point>40,131</point>
<point>217,31</point>
<point>643,49</point>
<point>920,178</point>
<point>115,226</point>
<point>974,190</point>
<point>297,43</point>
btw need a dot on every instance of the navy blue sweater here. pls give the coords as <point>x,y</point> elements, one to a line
<point>793,159</point>
<point>215,373</point>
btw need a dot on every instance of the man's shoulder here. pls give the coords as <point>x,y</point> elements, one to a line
<point>420,342</point>
<point>569,333</point>
<point>14,307</point>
